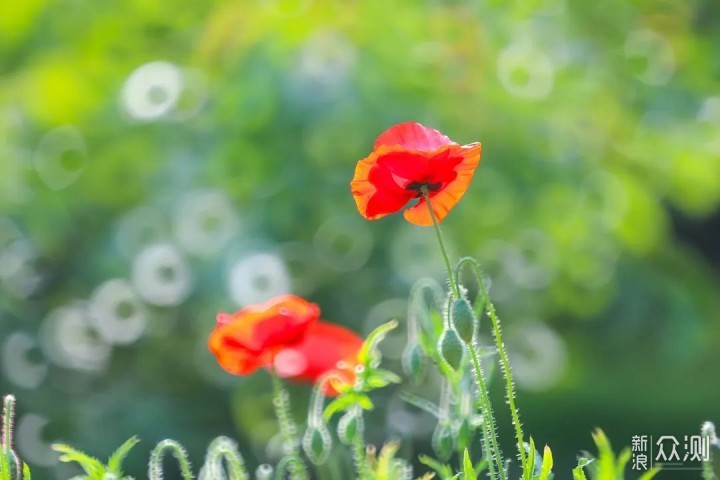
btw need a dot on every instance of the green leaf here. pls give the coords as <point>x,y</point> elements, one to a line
<point>605,465</point>
<point>468,469</point>
<point>578,472</point>
<point>531,458</point>
<point>443,470</point>
<point>345,402</point>
<point>367,352</point>
<point>547,463</point>
<point>5,463</point>
<point>386,457</point>
<point>622,460</point>
<point>421,403</point>
<point>381,378</point>
<point>92,466</point>
<point>118,456</point>
<point>26,472</point>
<point>650,473</point>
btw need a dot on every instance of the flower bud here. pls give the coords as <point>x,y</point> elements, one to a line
<point>464,434</point>
<point>463,318</point>
<point>348,426</point>
<point>442,441</point>
<point>413,361</point>
<point>317,443</point>
<point>451,348</point>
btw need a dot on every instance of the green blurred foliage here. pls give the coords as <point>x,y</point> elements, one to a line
<point>592,209</point>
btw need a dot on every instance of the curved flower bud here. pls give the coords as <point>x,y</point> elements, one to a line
<point>349,425</point>
<point>317,444</point>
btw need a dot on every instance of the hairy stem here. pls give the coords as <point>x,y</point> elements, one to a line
<point>288,430</point>
<point>485,399</point>
<point>222,448</point>
<point>358,445</point>
<point>8,416</point>
<point>155,467</point>
<point>490,443</point>
<point>504,362</point>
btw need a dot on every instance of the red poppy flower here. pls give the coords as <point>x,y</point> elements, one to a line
<point>409,158</point>
<point>250,338</point>
<point>325,348</point>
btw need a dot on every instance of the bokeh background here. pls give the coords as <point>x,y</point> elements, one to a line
<point>160,162</point>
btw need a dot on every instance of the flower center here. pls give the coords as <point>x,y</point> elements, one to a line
<point>417,187</point>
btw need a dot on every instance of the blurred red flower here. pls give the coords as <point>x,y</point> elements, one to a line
<point>326,347</point>
<point>285,335</point>
<point>408,158</point>
<point>250,338</point>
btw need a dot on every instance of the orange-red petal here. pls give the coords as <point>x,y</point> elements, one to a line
<point>413,136</point>
<point>376,197</point>
<point>248,339</point>
<point>325,348</point>
<point>446,198</point>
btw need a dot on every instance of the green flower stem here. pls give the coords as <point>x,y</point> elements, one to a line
<point>490,443</point>
<point>505,363</point>
<point>488,420</point>
<point>359,448</point>
<point>288,430</point>
<point>155,467</point>
<point>438,233</point>
<point>6,439</point>
<point>8,413</point>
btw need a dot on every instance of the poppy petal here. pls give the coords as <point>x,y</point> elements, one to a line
<point>413,136</point>
<point>376,191</point>
<point>446,198</point>
<point>246,340</point>
<point>404,166</point>
<point>325,348</point>
<point>237,361</point>
<point>277,322</point>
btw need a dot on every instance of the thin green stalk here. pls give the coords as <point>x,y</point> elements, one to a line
<point>438,233</point>
<point>505,363</point>
<point>223,448</point>
<point>488,420</point>
<point>288,430</point>
<point>155,466</point>
<point>10,459</point>
<point>7,423</point>
<point>359,449</point>
<point>485,398</point>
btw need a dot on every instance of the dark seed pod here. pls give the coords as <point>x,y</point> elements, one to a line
<point>463,318</point>
<point>317,443</point>
<point>413,361</point>
<point>442,441</point>
<point>451,348</point>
